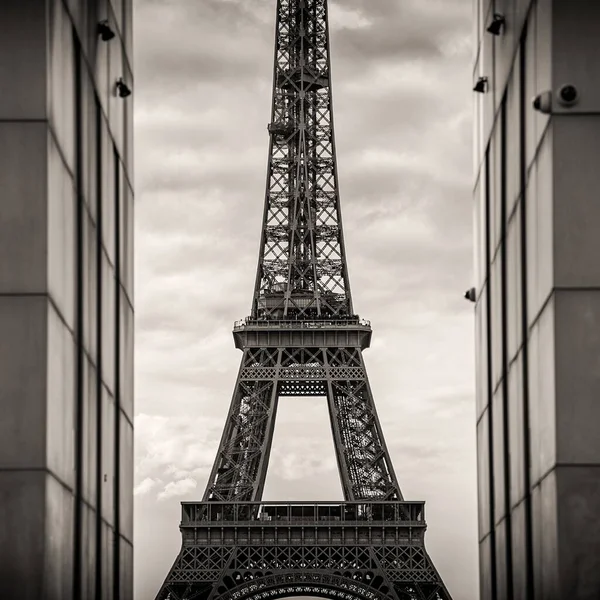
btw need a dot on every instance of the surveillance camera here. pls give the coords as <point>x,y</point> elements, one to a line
<point>568,95</point>
<point>543,102</point>
<point>471,294</point>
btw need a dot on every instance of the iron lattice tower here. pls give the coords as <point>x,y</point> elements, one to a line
<point>302,339</point>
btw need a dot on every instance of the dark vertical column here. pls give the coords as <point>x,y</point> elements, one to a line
<point>117,455</point>
<point>99,338</point>
<point>523,102</point>
<point>79,324</point>
<point>504,377</point>
<point>490,386</point>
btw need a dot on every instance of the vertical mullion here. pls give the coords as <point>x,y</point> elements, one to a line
<point>505,324</point>
<point>524,319</point>
<point>79,300</point>
<point>99,323</point>
<point>490,386</point>
<point>117,453</point>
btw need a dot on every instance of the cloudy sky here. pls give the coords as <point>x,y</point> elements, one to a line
<point>401,72</point>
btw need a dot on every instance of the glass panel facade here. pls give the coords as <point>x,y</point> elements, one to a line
<point>501,563</point>
<point>89,142</point>
<point>519,549</point>
<point>90,286</point>
<point>61,400</point>
<point>530,87</point>
<point>543,183</point>
<point>59,505</point>
<point>126,356</point>
<point>516,431</point>
<point>543,405</point>
<point>514,292</point>
<point>483,469</point>
<point>499,454</point>
<point>108,324</point>
<point>88,551</point>
<point>107,554</point>
<point>502,460</point>
<point>125,474</point>
<point>545,221</point>
<point>89,425</point>
<point>126,555</point>
<point>126,220</point>
<point>496,189</point>
<point>108,457</point>
<point>116,104</point>
<point>108,193</point>
<point>513,137</point>
<point>62,82</point>
<point>495,291</point>
<point>486,581</point>
<point>60,294</point>
<point>531,245</point>
<point>481,357</point>
<point>61,234</point>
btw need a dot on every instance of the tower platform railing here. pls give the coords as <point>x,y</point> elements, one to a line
<point>350,322</point>
<point>304,514</point>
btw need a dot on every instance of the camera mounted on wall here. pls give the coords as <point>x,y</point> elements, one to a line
<point>567,96</point>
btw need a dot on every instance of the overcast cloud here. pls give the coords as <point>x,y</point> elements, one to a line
<point>401,73</point>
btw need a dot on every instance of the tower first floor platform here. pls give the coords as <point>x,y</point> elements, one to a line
<point>346,550</point>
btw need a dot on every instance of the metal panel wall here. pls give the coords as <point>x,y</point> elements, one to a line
<point>66,315</point>
<point>539,455</point>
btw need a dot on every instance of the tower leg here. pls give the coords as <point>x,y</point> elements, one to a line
<point>240,467</point>
<point>364,461</point>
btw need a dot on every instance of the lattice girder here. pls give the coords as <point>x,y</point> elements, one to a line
<point>268,373</point>
<point>302,266</point>
<point>302,339</point>
<point>364,551</point>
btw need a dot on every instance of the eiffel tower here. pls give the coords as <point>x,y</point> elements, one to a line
<point>302,339</point>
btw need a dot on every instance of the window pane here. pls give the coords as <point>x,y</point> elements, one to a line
<point>90,286</point>
<point>108,456</point>
<point>481,352</point>
<point>60,411</point>
<point>126,356</point>
<point>513,137</point>
<point>126,479</point>
<point>495,290</point>
<point>108,194</point>
<point>483,471</point>
<point>513,292</point>
<point>516,432</point>
<point>62,81</point>
<point>89,434</point>
<point>61,235</point>
<point>108,323</point>
<point>499,448</point>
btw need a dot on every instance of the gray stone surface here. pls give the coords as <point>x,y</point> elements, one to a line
<point>576,212</point>
<point>23,382</point>
<point>24,34</point>
<point>22,534</point>
<point>23,223</point>
<point>577,315</point>
<point>579,531</point>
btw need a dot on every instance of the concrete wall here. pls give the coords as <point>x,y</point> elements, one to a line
<point>537,229</point>
<point>66,297</point>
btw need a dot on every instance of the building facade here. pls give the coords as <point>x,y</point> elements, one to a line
<point>66,300</point>
<point>537,222</point>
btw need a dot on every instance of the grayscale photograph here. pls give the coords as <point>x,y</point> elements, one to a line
<point>300,299</point>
